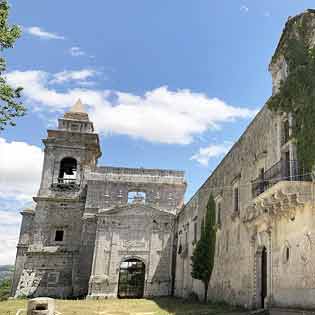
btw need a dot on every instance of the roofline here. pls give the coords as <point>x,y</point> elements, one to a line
<point>146,171</point>
<point>265,107</point>
<point>285,30</point>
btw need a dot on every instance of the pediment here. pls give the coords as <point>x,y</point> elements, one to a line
<point>134,209</point>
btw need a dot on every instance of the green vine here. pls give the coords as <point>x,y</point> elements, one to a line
<point>297,92</point>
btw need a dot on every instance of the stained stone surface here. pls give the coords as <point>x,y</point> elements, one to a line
<point>107,215</point>
<point>103,215</point>
<point>280,218</point>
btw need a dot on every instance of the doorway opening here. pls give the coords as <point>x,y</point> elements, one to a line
<point>131,279</point>
<point>263,276</point>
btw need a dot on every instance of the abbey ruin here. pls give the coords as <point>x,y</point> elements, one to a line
<point>117,232</point>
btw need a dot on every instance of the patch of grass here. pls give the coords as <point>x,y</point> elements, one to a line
<point>160,306</point>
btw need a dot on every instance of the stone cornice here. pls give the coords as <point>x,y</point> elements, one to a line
<point>281,200</point>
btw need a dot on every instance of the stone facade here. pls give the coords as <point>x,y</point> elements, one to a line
<point>88,220</point>
<point>265,215</point>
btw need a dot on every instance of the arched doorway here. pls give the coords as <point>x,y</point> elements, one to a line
<point>263,276</point>
<point>131,279</point>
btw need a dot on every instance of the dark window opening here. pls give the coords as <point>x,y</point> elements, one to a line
<point>236,199</point>
<point>180,248</point>
<point>219,213</point>
<point>136,197</point>
<point>68,171</point>
<point>59,236</point>
<point>287,254</point>
<point>195,232</point>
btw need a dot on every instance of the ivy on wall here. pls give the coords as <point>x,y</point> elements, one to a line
<point>297,93</point>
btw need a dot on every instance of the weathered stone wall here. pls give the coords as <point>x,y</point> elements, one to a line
<point>65,268</point>
<point>294,278</point>
<point>142,229</point>
<point>257,148</point>
<point>109,186</point>
<point>134,231</point>
<point>279,220</point>
<point>60,206</point>
<point>25,239</point>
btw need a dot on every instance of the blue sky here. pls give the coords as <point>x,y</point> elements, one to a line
<point>169,84</point>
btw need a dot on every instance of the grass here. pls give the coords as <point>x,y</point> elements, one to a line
<point>161,306</point>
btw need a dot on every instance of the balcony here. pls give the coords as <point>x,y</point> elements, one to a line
<point>66,181</point>
<point>65,184</point>
<point>284,170</point>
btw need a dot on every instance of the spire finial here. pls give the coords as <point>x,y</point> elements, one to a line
<point>78,107</point>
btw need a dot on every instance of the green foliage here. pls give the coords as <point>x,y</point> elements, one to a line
<point>5,288</point>
<point>297,92</point>
<point>10,107</point>
<point>203,255</point>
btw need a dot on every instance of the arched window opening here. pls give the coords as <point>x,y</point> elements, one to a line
<point>68,171</point>
<point>136,197</point>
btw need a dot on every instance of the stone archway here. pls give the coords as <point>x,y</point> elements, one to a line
<point>131,278</point>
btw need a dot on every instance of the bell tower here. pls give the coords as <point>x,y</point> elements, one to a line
<point>50,243</point>
<point>70,151</point>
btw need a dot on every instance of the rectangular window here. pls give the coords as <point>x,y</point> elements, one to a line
<point>195,231</point>
<point>219,213</point>
<point>59,236</point>
<point>52,278</point>
<point>236,199</point>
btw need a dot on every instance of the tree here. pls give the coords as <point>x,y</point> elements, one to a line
<point>203,255</point>
<point>10,106</point>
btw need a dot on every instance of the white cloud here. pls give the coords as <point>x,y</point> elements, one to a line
<point>76,51</point>
<point>39,32</point>
<point>20,169</point>
<point>79,75</point>
<point>244,8</point>
<point>9,232</point>
<point>213,150</point>
<point>160,115</point>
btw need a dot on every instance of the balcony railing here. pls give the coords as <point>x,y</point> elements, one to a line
<point>65,184</point>
<point>66,181</point>
<point>284,170</point>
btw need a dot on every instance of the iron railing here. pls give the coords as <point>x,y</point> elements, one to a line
<point>284,170</point>
<point>66,181</point>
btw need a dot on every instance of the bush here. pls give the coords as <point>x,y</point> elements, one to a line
<point>5,289</point>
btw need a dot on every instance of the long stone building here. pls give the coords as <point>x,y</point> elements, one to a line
<point>265,210</point>
<point>108,232</point>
